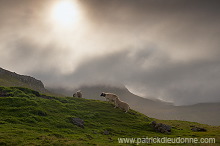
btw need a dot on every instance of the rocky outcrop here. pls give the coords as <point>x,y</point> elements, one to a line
<point>106,132</point>
<point>160,127</point>
<point>198,129</point>
<point>14,79</point>
<point>78,122</point>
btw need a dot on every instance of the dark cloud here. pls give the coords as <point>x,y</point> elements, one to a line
<point>158,49</point>
<point>184,28</point>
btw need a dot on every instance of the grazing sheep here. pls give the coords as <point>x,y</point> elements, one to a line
<point>109,96</point>
<point>121,104</point>
<point>78,94</point>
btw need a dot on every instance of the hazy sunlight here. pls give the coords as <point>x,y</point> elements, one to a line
<point>65,13</point>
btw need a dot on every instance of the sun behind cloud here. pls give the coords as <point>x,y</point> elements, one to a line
<point>65,13</point>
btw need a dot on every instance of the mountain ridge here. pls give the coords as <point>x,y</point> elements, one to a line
<point>8,79</point>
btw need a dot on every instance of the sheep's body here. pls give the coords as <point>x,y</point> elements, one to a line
<point>78,94</point>
<point>109,96</point>
<point>121,104</point>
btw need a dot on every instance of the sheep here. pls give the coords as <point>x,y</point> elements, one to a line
<point>109,96</point>
<point>121,104</point>
<point>78,94</point>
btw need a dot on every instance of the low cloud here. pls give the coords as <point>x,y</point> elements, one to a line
<point>155,76</point>
<point>158,49</point>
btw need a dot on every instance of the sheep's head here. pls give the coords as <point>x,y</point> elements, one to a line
<point>78,93</point>
<point>103,94</point>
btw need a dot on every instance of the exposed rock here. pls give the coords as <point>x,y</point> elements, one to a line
<point>24,80</point>
<point>198,129</point>
<point>78,122</point>
<point>106,132</point>
<point>153,123</point>
<point>160,127</point>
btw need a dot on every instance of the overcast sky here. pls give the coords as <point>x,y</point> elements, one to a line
<point>166,49</point>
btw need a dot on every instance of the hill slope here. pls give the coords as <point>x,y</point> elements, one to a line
<point>9,79</point>
<point>29,118</point>
<point>206,113</point>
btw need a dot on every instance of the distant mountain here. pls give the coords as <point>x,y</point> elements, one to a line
<point>206,113</point>
<point>9,79</point>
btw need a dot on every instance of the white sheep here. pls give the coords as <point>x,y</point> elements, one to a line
<point>121,104</point>
<point>78,94</point>
<point>109,96</point>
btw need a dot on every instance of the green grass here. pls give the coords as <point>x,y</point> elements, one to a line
<point>10,81</point>
<point>7,81</point>
<point>28,119</point>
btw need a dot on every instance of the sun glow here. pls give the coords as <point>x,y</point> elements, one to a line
<point>65,13</point>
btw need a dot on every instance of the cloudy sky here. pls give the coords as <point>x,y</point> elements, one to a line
<point>165,49</point>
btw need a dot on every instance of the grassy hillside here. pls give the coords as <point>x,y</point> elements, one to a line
<point>205,113</point>
<point>29,118</point>
<point>6,80</point>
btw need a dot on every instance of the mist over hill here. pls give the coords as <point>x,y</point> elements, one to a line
<point>206,113</point>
